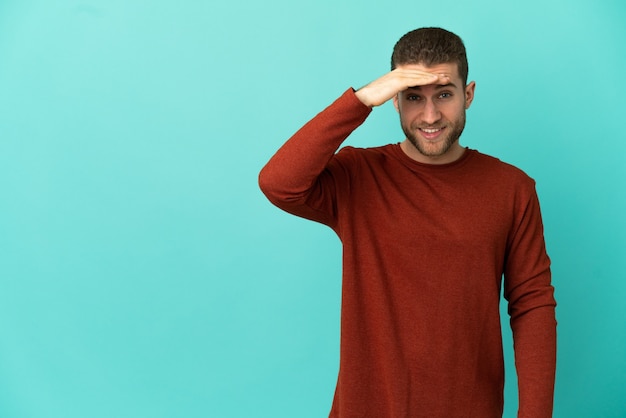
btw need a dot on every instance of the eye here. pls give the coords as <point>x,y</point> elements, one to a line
<point>445,95</point>
<point>412,97</point>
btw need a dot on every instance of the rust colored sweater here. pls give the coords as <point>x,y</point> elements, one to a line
<point>425,248</point>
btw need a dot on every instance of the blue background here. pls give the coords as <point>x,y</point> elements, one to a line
<point>142,272</point>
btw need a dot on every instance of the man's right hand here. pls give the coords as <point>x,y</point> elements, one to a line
<point>386,87</point>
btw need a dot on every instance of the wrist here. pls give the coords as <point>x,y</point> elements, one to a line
<point>362,96</point>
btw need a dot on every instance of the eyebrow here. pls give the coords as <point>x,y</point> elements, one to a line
<point>437,86</point>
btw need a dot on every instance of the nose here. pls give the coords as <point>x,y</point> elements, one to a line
<point>431,113</point>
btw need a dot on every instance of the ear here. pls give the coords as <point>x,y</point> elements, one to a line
<point>395,102</point>
<point>469,94</point>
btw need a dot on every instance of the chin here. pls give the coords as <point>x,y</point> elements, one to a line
<point>432,150</point>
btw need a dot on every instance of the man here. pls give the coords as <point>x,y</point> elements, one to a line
<point>428,228</point>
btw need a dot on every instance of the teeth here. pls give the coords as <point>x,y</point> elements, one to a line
<point>431,131</point>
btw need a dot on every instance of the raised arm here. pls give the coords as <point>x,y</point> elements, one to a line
<point>298,178</point>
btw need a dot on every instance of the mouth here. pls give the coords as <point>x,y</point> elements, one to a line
<point>431,133</point>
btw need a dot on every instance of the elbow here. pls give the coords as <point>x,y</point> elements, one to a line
<point>264,181</point>
<point>541,299</point>
<point>270,185</point>
<point>267,183</point>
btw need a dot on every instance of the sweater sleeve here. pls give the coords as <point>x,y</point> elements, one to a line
<point>531,307</point>
<point>299,178</point>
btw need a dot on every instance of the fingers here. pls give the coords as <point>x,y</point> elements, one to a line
<point>414,78</point>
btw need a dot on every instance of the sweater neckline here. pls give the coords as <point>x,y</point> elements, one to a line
<point>411,163</point>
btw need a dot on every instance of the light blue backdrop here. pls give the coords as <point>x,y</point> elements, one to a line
<point>142,272</point>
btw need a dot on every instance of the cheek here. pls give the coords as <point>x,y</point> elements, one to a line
<point>454,111</point>
<point>405,117</point>
<point>408,111</point>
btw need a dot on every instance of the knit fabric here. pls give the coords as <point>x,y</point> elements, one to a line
<point>425,248</point>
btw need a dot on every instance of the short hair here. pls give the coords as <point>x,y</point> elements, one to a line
<point>431,46</point>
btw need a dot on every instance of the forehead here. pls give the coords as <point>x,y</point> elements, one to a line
<point>450,68</point>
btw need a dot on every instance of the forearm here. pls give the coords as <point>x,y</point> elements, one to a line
<point>535,360</point>
<point>292,172</point>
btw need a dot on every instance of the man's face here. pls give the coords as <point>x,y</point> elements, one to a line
<point>433,116</point>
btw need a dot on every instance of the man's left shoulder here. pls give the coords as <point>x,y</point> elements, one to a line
<point>502,170</point>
